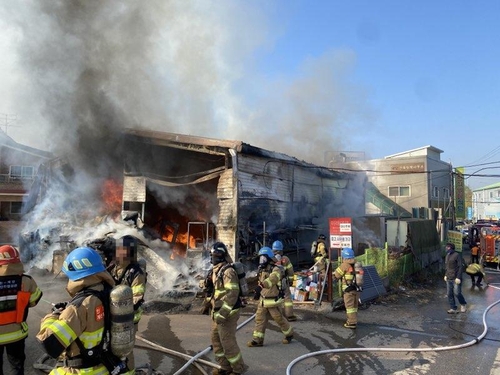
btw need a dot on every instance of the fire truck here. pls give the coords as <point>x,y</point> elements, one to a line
<point>489,239</point>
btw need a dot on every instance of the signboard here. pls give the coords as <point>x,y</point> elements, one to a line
<point>455,238</point>
<point>459,193</point>
<point>340,232</point>
<point>407,167</point>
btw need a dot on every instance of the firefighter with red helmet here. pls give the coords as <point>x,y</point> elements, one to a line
<point>288,267</point>
<point>346,272</point>
<point>226,305</point>
<point>270,295</point>
<point>74,333</point>
<point>19,292</point>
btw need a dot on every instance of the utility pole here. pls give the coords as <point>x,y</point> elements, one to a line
<point>7,121</point>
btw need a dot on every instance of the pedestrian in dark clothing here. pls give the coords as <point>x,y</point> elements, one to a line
<point>453,278</point>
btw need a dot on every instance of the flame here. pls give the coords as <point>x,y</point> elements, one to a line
<point>112,193</point>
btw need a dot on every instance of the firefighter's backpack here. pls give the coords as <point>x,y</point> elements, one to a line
<point>103,352</point>
<point>240,271</point>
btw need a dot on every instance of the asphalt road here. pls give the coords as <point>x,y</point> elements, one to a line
<point>406,332</point>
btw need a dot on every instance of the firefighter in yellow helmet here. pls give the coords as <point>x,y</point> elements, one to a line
<point>321,256</point>
<point>288,267</point>
<point>270,295</point>
<point>74,332</point>
<point>19,293</point>
<point>226,305</point>
<point>347,274</point>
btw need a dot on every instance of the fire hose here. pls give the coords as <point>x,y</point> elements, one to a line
<point>439,349</point>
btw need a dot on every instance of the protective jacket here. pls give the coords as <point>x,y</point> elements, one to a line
<point>270,278</point>
<point>288,267</point>
<point>18,292</point>
<point>474,269</point>
<point>345,272</point>
<point>321,258</point>
<point>59,331</point>
<point>226,298</point>
<point>131,274</point>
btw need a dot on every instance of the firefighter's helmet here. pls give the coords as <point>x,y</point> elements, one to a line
<point>322,237</point>
<point>277,246</point>
<point>82,262</point>
<point>8,255</point>
<point>219,253</point>
<point>347,253</point>
<point>267,252</point>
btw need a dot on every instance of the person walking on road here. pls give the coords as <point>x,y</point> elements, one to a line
<point>288,266</point>
<point>453,278</point>
<point>476,270</point>
<point>345,272</point>
<point>226,303</point>
<point>19,293</point>
<point>270,295</point>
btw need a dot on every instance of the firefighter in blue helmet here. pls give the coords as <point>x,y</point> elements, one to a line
<point>73,333</point>
<point>287,265</point>
<point>270,295</point>
<point>350,290</point>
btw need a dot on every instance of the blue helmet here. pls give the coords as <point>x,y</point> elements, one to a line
<point>347,253</point>
<point>82,262</point>
<point>277,246</point>
<point>267,251</point>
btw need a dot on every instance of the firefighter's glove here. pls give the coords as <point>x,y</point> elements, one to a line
<point>445,278</point>
<point>59,307</point>
<point>458,281</point>
<point>205,307</point>
<point>258,289</point>
<point>219,319</point>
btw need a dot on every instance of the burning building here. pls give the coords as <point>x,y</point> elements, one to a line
<point>193,190</point>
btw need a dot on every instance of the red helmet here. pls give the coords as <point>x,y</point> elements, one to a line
<point>9,254</point>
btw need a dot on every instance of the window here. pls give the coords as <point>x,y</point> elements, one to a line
<point>435,192</point>
<point>15,207</point>
<point>399,191</point>
<point>446,193</point>
<point>18,172</point>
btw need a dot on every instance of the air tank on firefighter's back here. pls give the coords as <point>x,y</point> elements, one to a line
<point>122,320</point>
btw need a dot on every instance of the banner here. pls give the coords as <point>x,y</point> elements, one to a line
<point>459,193</point>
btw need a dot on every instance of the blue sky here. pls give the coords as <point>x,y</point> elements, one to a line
<point>301,77</point>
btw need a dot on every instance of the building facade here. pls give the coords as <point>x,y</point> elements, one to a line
<point>486,202</point>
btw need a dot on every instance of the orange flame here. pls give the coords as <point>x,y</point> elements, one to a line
<point>112,193</point>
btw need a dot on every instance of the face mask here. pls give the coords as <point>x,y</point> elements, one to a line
<point>217,258</point>
<point>263,261</point>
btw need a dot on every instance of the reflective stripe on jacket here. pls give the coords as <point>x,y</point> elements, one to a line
<point>15,302</point>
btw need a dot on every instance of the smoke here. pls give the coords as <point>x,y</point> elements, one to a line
<point>85,70</point>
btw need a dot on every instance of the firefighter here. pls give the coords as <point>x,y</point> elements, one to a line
<point>19,293</point>
<point>270,295</point>
<point>126,270</point>
<point>475,253</point>
<point>321,256</point>
<point>476,270</point>
<point>288,266</point>
<point>74,333</point>
<point>225,303</point>
<point>345,272</point>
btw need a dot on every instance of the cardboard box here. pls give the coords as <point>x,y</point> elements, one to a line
<point>302,296</point>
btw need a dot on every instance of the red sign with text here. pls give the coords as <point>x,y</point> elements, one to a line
<point>340,232</point>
